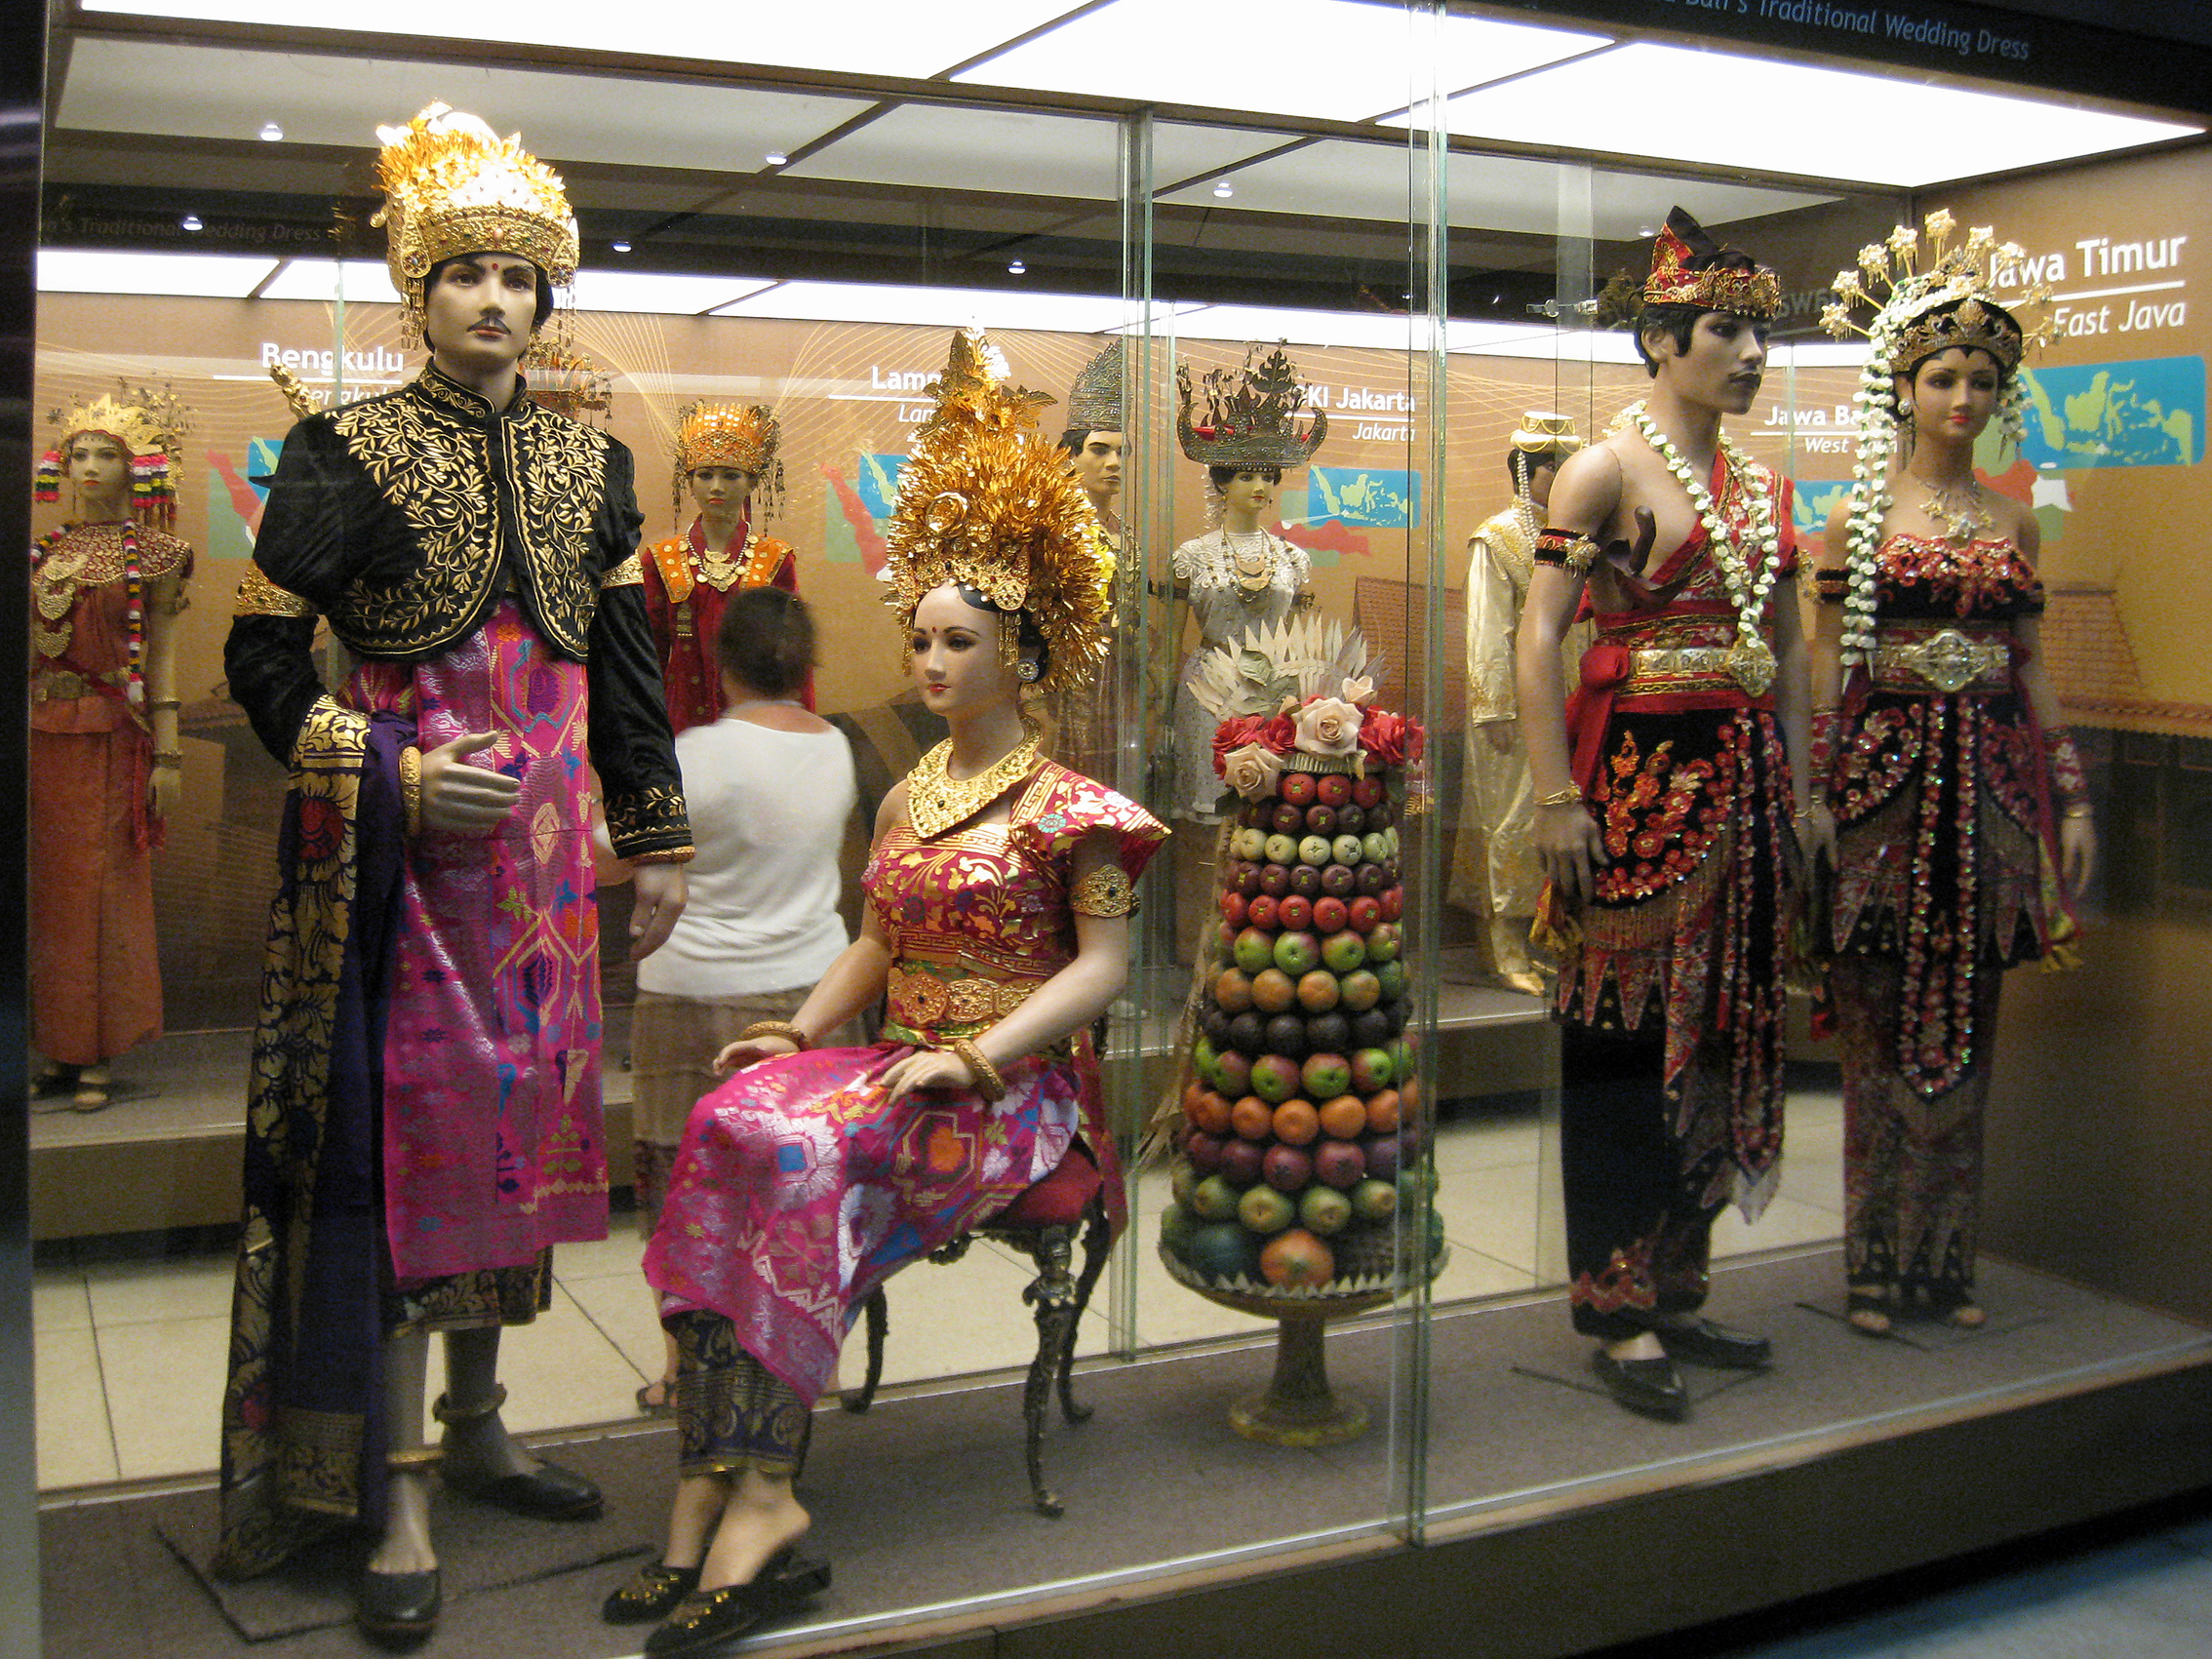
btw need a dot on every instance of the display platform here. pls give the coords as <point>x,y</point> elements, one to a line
<point>1163,1501</point>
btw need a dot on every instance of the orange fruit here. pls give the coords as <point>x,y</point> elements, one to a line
<point>1382,1112</point>
<point>1343,1118</point>
<point>1296,1122</point>
<point>1252,1118</point>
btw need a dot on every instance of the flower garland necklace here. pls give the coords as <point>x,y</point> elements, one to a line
<point>1751,659</point>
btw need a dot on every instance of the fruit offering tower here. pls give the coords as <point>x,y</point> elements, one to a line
<point>1301,1180</point>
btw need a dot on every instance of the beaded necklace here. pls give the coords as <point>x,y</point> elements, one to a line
<point>53,589</point>
<point>1751,659</point>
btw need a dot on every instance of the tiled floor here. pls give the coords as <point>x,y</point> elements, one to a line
<point>130,1352</point>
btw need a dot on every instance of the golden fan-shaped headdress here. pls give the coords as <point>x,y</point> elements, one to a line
<point>150,425</point>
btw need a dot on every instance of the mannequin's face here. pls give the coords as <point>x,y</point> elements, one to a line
<point>99,466</point>
<point>955,655</point>
<point>480,312</point>
<point>1723,367</point>
<point>1253,490</point>
<point>720,489</point>
<point>1540,477</point>
<point>1953,394</point>
<point>1098,466</point>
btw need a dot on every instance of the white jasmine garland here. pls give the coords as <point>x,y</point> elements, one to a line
<point>1748,588</point>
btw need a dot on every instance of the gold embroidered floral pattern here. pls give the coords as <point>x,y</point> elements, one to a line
<point>648,825</point>
<point>1106,892</point>
<point>258,596</point>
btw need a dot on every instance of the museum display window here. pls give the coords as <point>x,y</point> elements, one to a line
<point>1390,227</point>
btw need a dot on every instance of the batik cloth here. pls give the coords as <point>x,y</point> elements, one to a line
<point>1684,942</point>
<point>799,1190</point>
<point>1947,873</point>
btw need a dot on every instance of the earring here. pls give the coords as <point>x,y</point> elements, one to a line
<point>1028,670</point>
<point>1905,408</point>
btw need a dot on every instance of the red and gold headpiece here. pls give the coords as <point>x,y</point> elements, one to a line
<point>150,426</point>
<point>743,436</point>
<point>1727,281</point>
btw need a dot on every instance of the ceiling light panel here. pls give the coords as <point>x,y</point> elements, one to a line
<point>1790,118</point>
<point>206,276</point>
<point>1336,59</point>
<point>961,147</point>
<point>603,290</point>
<point>940,307</point>
<point>365,280</point>
<point>860,37</point>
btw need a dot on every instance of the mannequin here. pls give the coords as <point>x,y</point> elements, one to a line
<point>1240,576</point>
<point>1494,869</point>
<point>723,454</point>
<point>1667,822</point>
<point>1083,719</point>
<point>1942,750</point>
<point>999,889</point>
<point>423,1119</point>
<point>106,767</point>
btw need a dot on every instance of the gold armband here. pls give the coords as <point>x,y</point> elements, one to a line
<point>411,787</point>
<point>258,596</point>
<point>1106,892</point>
<point>1568,548</point>
<point>988,1083</point>
<point>630,573</point>
<point>782,1028</point>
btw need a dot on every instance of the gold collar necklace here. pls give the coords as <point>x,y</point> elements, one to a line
<point>937,802</point>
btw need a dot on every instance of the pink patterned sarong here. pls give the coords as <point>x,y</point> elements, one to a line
<point>494,1149</point>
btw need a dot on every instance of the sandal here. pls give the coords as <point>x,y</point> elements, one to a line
<point>650,1592</point>
<point>92,1085</point>
<point>705,1619</point>
<point>665,1388</point>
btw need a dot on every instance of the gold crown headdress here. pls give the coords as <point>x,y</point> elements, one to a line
<point>149,424</point>
<point>452,186</point>
<point>566,381</point>
<point>1729,281</point>
<point>1927,296</point>
<point>1541,439</point>
<point>1094,401</point>
<point>732,435</point>
<point>1251,416</point>
<point>986,501</point>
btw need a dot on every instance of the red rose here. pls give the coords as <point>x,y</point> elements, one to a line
<point>1391,739</point>
<point>1234,734</point>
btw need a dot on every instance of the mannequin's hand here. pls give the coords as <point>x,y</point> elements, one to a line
<point>1501,736</point>
<point>660,891</point>
<point>748,1050</point>
<point>2078,853</point>
<point>165,786</point>
<point>459,799</point>
<point>927,1069</point>
<point>1570,848</point>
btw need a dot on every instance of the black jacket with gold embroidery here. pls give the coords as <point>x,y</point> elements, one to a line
<point>403,519</point>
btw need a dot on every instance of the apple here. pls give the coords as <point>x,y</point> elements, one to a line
<point>1373,1070</point>
<point>1232,1071</point>
<point>1326,1075</point>
<point>1274,991</point>
<point>1391,836</point>
<point>1253,950</point>
<point>1254,814</point>
<point>1286,819</point>
<point>1332,915</point>
<point>1252,1118</point>
<point>1399,1011</point>
<point>1368,791</point>
<point>1205,1108</point>
<point>1318,991</point>
<point>1297,953</point>
<point>1204,1150</point>
<point>1402,1057</point>
<point>1345,848</point>
<point>1275,878</point>
<point>1247,1035</point>
<point>1232,907</point>
<point>1261,911</point>
<point>1275,1079</point>
<point>1306,881</point>
<point>1213,1021</point>
<point>1233,990</point>
<point>1382,1158</point>
<point>1320,820</point>
<point>1224,940</point>
<point>1295,1260</point>
<point>1381,815</point>
<point>1393,977</point>
<point>1384,942</point>
<point>1374,846</point>
<point>1371,878</point>
<point>1241,1160</point>
<point>1370,1027</point>
<point>1390,870</point>
<point>1339,1163</point>
<point>1246,879</point>
<point>1286,1170</point>
<point>1416,1183</point>
<point>1249,843</point>
<point>1393,899</point>
<point>1286,1036</point>
<point>1374,1201</point>
<point>1220,1249</point>
<point>1203,1061</point>
<point>1324,1211</point>
<point>1281,848</point>
<point>1383,1112</point>
<point>1181,1178</point>
<point>1350,820</point>
<point>1327,1034</point>
<point>1341,1119</point>
<point>1315,850</point>
<point>1264,1210</point>
<point>1296,1123</point>
<point>1295,912</point>
<point>1338,881</point>
<point>1333,789</point>
<point>1363,912</point>
<point>1214,1199</point>
<point>1296,788</point>
<point>1360,989</point>
<point>1343,952</point>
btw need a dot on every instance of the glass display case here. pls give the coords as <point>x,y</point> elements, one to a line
<point>1379,215</point>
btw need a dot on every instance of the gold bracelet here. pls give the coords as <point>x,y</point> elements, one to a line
<point>2078,810</point>
<point>1569,796</point>
<point>167,757</point>
<point>988,1083</point>
<point>411,787</point>
<point>165,702</point>
<point>782,1028</point>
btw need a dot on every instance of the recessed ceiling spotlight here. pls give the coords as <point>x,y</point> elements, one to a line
<point>1014,267</point>
<point>271,132</point>
<point>190,222</point>
<point>1647,230</point>
<point>776,158</point>
<point>619,247</point>
<point>1225,189</point>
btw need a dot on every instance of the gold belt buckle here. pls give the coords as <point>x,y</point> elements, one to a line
<point>60,685</point>
<point>1947,660</point>
<point>1751,661</point>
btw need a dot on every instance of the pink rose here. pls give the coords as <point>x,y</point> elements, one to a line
<point>1328,726</point>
